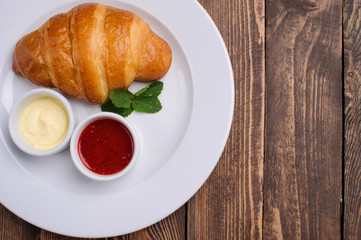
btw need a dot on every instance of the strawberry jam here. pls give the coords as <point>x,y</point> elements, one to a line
<point>105,146</point>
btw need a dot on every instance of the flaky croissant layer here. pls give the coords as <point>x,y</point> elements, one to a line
<point>91,50</point>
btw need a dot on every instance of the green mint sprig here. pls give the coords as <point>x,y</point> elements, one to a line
<point>123,102</point>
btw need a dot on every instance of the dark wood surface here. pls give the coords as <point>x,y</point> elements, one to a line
<point>291,168</point>
<point>352,119</point>
<point>303,133</point>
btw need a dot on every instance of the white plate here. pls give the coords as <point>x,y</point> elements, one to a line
<point>180,145</point>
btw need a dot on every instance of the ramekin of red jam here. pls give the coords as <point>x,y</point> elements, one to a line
<point>104,146</point>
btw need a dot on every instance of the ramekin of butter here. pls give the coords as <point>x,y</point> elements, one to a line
<point>104,146</point>
<point>41,122</point>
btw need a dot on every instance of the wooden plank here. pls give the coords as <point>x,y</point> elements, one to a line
<point>229,205</point>
<point>43,234</point>
<point>352,116</point>
<point>303,135</point>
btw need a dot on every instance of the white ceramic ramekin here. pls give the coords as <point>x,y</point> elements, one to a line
<point>74,146</point>
<point>17,110</point>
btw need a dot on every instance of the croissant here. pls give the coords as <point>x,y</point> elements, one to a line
<point>91,50</point>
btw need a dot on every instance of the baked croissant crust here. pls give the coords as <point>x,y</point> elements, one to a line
<point>91,50</point>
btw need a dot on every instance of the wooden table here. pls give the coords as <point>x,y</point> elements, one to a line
<point>292,165</point>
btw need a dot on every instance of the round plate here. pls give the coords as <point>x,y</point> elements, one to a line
<point>181,144</point>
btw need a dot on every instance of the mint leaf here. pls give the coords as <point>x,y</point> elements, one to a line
<point>152,90</point>
<point>146,104</point>
<point>109,107</point>
<point>123,102</point>
<point>121,98</point>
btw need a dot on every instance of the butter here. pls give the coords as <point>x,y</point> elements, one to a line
<point>44,123</point>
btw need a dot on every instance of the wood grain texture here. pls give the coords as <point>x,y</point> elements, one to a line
<point>303,135</point>
<point>352,116</point>
<point>280,175</point>
<point>229,205</point>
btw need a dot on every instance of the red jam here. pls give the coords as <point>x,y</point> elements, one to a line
<point>105,146</point>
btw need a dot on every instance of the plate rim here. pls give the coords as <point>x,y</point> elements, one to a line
<point>210,167</point>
